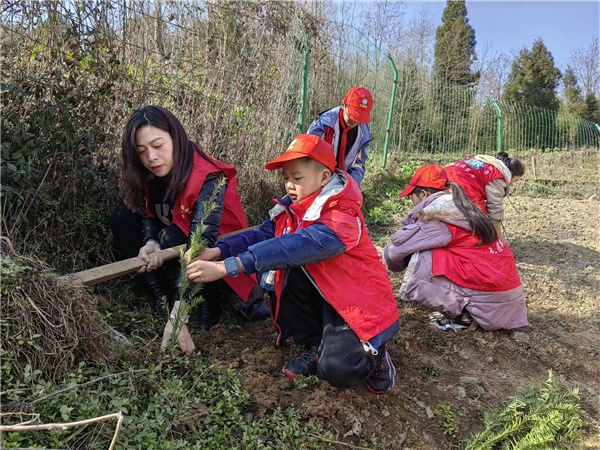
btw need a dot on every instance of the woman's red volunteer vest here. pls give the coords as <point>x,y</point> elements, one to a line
<point>355,283</point>
<point>489,268</point>
<point>233,217</point>
<point>473,176</point>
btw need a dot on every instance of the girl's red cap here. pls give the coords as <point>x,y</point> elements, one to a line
<point>431,176</point>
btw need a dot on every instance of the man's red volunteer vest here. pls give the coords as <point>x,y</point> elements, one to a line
<point>489,268</point>
<point>355,283</point>
<point>473,176</point>
<point>233,217</point>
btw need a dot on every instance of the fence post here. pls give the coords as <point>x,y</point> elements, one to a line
<point>302,118</point>
<point>495,103</point>
<point>392,101</point>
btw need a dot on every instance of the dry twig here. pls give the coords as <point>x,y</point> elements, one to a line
<point>66,426</point>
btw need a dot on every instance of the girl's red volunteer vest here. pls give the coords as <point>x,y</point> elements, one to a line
<point>473,176</point>
<point>355,283</point>
<point>233,217</point>
<point>489,268</point>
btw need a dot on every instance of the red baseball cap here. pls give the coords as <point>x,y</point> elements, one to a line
<point>306,146</point>
<point>360,103</point>
<point>431,176</point>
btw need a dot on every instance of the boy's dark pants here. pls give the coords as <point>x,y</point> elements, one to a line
<point>342,360</point>
<point>126,227</point>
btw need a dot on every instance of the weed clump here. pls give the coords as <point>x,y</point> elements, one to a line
<point>47,324</point>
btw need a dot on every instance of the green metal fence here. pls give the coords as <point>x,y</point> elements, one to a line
<point>246,76</point>
<point>430,115</point>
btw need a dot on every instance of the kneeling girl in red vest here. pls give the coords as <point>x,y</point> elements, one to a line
<point>452,257</point>
<point>330,291</point>
<point>486,181</point>
<point>166,180</point>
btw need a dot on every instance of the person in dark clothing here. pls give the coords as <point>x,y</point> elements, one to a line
<point>166,181</point>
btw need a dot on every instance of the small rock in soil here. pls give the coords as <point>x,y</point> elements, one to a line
<point>429,412</point>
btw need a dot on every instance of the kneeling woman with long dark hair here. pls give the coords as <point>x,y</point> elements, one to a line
<point>453,258</point>
<point>166,180</point>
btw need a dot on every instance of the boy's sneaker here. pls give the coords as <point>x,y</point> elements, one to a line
<point>302,366</point>
<point>384,375</point>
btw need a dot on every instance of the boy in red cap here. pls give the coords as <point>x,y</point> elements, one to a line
<point>329,289</point>
<point>453,260</point>
<point>346,128</point>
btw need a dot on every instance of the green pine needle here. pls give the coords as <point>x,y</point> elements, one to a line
<point>187,301</point>
<point>546,417</point>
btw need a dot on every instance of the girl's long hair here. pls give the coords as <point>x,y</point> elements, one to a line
<point>134,176</point>
<point>480,223</point>
<point>516,167</point>
<point>482,226</point>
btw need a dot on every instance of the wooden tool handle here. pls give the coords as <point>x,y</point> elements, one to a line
<point>109,271</point>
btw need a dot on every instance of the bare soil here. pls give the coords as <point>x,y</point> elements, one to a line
<point>558,254</point>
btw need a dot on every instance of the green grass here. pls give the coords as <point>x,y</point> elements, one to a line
<point>381,189</point>
<point>448,427</point>
<point>176,403</point>
<point>431,371</point>
<point>556,189</point>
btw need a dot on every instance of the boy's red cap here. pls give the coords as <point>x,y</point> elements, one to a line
<point>306,146</point>
<point>431,176</point>
<point>360,103</point>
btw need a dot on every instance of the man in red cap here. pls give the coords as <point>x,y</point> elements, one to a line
<point>328,288</point>
<point>346,128</point>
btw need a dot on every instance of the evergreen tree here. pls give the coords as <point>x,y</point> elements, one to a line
<point>592,111</point>
<point>534,78</point>
<point>455,45</point>
<point>572,93</point>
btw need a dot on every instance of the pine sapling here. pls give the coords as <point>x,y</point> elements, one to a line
<point>539,417</point>
<point>190,298</point>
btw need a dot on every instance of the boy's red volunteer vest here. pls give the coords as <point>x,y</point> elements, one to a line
<point>473,176</point>
<point>233,217</point>
<point>489,268</point>
<point>341,156</point>
<point>355,283</point>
